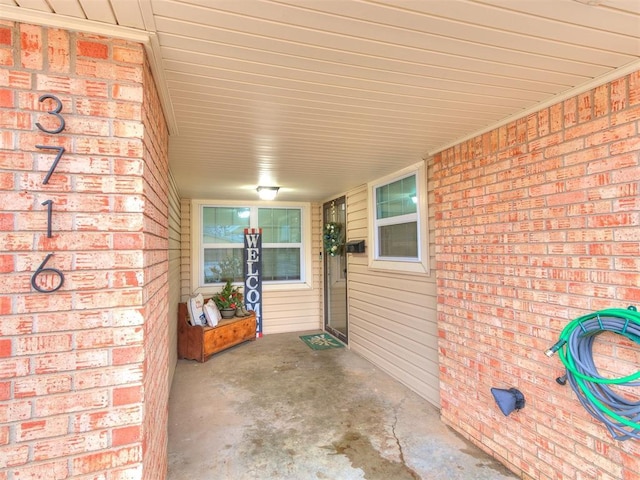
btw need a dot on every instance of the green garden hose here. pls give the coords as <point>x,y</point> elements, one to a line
<point>619,414</point>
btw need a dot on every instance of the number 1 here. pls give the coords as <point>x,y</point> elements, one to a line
<point>49,204</point>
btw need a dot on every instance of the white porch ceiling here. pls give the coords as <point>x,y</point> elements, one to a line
<point>319,96</point>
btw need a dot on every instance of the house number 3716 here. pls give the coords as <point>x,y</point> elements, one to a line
<point>47,279</point>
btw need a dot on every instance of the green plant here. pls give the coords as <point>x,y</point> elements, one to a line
<point>228,297</point>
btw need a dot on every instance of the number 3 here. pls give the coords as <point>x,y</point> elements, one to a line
<point>55,112</point>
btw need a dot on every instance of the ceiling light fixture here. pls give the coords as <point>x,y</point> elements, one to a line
<point>267,193</point>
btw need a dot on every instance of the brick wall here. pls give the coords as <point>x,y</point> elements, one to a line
<point>538,222</point>
<point>156,288</point>
<point>83,382</point>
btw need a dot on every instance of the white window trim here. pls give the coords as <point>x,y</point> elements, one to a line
<point>419,266</point>
<point>196,238</point>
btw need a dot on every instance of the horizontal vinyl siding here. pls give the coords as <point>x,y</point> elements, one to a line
<point>392,316</point>
<point>185,249</point>
<point>357,228</point>
<point>414,339</point>
<point>290,311</point>
<point>393,361</point>
<point>174,274</point>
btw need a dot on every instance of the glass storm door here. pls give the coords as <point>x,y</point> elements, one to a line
<point>335,271</point>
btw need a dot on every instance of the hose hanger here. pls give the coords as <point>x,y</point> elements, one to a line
<point>620,415</point>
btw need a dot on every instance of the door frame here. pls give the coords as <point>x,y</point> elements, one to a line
<point>342,336</point>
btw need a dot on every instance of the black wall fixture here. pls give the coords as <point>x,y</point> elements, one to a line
<point>355,246</point>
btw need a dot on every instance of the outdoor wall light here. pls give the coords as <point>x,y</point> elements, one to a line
<point>508,400</point>
<point>267,193</point>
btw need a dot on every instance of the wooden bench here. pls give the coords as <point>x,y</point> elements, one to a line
<point>199,343</point>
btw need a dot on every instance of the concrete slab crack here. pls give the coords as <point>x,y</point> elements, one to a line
<point>409,470</point>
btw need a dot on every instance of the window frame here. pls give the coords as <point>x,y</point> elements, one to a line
<point>409,265</point>
<point>197,264</point>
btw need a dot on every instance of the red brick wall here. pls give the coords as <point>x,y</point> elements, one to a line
<point>538,222</point>
<point>82,368</point>
<point>156,288</point>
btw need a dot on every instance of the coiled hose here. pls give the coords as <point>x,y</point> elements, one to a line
<point>619,414</point>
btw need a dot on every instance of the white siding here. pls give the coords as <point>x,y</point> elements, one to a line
<point>174,272</point>
<point>392,316</point>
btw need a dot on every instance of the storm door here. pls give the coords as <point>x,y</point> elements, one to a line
<point>335,268</point>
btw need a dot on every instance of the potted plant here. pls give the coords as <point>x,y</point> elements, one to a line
<point>228,300</point>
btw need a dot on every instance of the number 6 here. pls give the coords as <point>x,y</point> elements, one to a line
<point>42,270</point>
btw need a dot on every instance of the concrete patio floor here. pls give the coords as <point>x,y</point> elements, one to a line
<point>276,409</point>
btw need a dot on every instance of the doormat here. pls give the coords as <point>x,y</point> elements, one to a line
<point>321,341</point>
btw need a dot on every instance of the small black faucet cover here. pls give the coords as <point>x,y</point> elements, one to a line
<point>508,400</point>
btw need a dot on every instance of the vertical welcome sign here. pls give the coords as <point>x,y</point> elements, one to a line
<point>253,274</point>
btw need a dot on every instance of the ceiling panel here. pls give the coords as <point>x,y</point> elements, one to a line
<point>40,5</point>
<point>128,13</point>
<point>69,8</point>
<point>321,96</point>
<point>510,17</point>
<point>414,26</point>
<point>99,10</point>
<point>378,57</point>
<point>311,71</point>
<point>608,16</point>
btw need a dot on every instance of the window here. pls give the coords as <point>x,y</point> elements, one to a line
<point>399,215</point>
<point>397,219</point>
<point>220,242</point>
<point>281,243</point>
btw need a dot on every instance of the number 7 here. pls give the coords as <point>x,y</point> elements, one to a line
<point>55,162</point>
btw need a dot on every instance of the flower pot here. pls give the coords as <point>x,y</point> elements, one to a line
<point>227,312</point>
